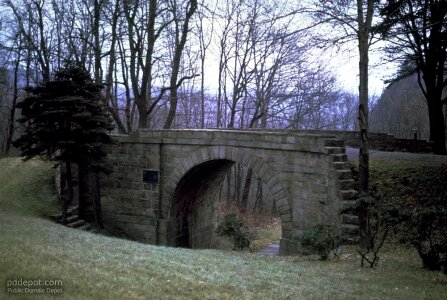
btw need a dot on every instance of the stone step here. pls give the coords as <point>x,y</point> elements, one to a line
<point>339,157</point>
<point>344,174</point>
<point>350,230</point>
<point>347,184</point>
<point>72,218</point>
<point>76,224</point>
<point>350,219</point>
<point>349,240</point>
<point>341,165</point>
<point>71,211</point>
<point>335,150</point>
<point>334,143</point>
<point>349,194</point>
<point>86,227</point>
<point>346,203</point>
<point>55,217</point>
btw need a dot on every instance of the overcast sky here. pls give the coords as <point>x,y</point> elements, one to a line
<point>345,66</point>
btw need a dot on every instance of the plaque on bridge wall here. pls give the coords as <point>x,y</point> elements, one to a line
<point>150,176</point>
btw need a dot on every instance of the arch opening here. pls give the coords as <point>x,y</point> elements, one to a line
<point>199,204</point>
<point>194,211</point>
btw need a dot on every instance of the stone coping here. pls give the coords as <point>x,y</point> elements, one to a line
<point>281,140</point>
<point>251,131</point>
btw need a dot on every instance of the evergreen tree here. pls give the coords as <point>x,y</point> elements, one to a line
<point>66,122</point>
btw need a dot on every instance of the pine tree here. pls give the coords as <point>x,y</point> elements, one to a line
<point>66,122</point>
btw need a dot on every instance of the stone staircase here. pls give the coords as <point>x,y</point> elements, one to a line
<point>347,188</point>
<point>74,221</point>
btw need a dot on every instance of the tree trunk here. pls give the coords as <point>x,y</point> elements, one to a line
<point>257,206</point>
<point>90,195</point>
<point>84,186</point>
<point>219,95</point>
<point>140,65</point>
<point>230,196</point>
<point>202,93</point>
<point>97,201</point>
<point>445,119</point>
<point>232,115</point>
<point>363,35</point>
<point>96,38</point>
<point>173,98</point>
<point>68,195</point>
<point>246,191</point>
<point>12,115</point>
<point>237,185</point>
<point>437,124</point>
<point>113,109</point>
<point>142,117</point>
<point>363,123</point>
<point>176,65</point>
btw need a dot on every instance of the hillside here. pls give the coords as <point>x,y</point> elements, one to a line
<point>99,267</point>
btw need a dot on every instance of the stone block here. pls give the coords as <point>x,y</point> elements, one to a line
<point>287,217</point>
<point>232,153</point>
<point>282,202</point>
<point>195,159</point>
<point>276,189</point>
<point>296,233</point>
<point>215,152</point>
<point>222,153</point>
<point>287,225</point>
<point>257,166</point>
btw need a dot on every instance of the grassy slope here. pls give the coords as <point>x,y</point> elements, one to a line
<point>97,267</point>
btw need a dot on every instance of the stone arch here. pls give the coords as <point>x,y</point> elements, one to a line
<point>261,169</point>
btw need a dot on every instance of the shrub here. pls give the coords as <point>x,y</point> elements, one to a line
<point>426,229</point>
<point>233,228</point>
<point>380,219</point>
<point>419,193</point>
<point>322,240</point>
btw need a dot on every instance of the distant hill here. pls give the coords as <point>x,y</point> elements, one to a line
<point>400,109</point>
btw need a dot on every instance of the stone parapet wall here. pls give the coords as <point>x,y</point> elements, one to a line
<point>385,142</point>
<point>265,139</point>
<point>377,141</point>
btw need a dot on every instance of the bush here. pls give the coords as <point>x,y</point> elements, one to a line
<point>322,240</point>
<point>380,220</point>
<point>426,229</point>
<point>420,194</point>
<point>233,228</point>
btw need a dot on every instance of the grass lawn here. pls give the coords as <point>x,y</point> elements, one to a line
<point>99,267</point>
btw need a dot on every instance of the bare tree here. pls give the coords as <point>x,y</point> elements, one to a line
<point>355,18</point>
<point>181,33</point>
<point>32,20</point>
<point>142,34</point>
<point>15,96</point>
<point>146,22</point>
<point>205,26</point>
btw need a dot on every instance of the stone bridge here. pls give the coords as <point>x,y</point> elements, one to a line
<point>164,186</point>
